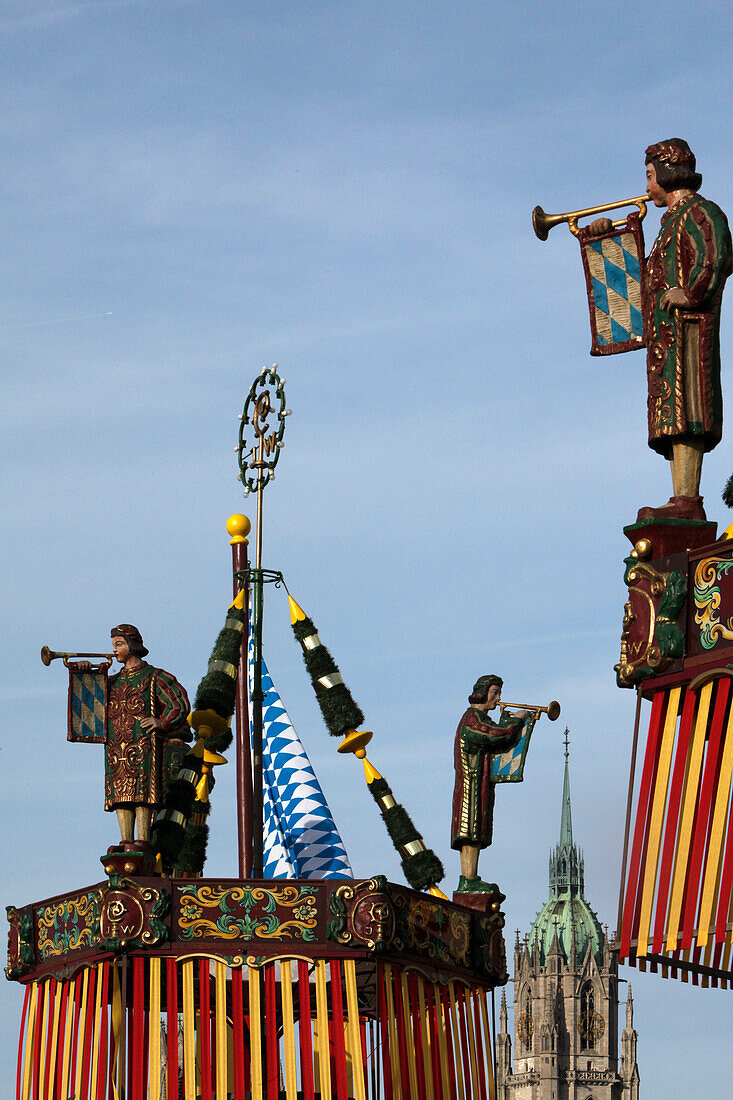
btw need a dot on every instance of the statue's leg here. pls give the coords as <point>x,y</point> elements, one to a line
<point>126,822</point>
<point>469,861</point>
<point>143,817</point>
<point>687,457</point>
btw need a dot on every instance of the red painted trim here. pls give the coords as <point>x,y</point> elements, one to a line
<point>273,1061</point>
<point>632,898</point>
<point>61,1037</point>
<point>21,1051</point>
<point>479,1044</point>
<point>416,1033</point>
<point>171,973</point>
<point>86,1065</point>
<point>673,814</point>
<point>336,1027</point>
<point>305,1033</point>
<point>138,1026</point>
<point>702,822</point>
<point>238,1033</point>
<point>204,1030</point>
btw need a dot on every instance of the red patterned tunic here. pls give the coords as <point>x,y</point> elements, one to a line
<point>477,738</point>
<point>133,756</point>
<point>692,251</point>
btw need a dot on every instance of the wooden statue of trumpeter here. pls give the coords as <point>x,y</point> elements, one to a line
<point>136,713</point>
<point>670,304</point>
<point>486,753</point>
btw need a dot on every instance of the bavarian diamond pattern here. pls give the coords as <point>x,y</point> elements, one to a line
<point>300,837</point>
<point>616,278</point>
<point>87,706</point>
<point>508,767</point>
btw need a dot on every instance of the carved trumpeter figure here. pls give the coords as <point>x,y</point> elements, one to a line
<point>477,738</point>
<point>146,705</point>
<point>685,274</point>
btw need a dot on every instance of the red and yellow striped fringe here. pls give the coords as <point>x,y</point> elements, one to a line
<point>196,1028</point>
<point>676,906</point>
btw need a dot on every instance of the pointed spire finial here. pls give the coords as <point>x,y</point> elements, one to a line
<point>567,743</point>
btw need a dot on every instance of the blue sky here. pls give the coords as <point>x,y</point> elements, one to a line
<point>192,190</point>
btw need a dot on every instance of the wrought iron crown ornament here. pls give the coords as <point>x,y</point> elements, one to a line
<point>262,429</point>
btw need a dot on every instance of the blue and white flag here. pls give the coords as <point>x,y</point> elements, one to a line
<point>300,837</point>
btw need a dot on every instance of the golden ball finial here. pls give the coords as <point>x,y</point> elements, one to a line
<point>238,527</point>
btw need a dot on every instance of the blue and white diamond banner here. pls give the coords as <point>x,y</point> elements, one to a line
<point>508,767</point>
<point>87,719</point>
<point>614,265</point>
<point>300,837</point>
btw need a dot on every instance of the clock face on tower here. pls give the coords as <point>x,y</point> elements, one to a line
<point>591,1026</point>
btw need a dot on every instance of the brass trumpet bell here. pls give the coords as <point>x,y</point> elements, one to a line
<point>552,710</point>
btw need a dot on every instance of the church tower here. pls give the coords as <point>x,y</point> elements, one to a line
<point>566,996</point>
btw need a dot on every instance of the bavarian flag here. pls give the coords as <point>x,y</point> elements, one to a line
<point>300,837</point>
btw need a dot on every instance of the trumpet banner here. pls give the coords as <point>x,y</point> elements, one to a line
<point>675,911</point>
<point>613,263</point>
<point>508,767</point>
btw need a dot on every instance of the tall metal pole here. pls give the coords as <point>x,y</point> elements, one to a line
<point>260,441</point>
<point>238,526</point>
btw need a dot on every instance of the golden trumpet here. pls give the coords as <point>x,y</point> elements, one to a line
<point>552,710</point>
<point>543,222</point>
<point>48,655</point>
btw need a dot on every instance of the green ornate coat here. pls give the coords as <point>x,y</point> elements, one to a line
<point>692,251</point>
<point>133,756</point>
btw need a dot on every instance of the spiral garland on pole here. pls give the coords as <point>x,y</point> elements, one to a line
<point>422,868</point>
<point>181,830</point>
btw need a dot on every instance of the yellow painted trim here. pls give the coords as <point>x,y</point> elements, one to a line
<point>255,1033</point>
<point>189,1032</point>
<point>70,991</point>
<point>394,1046</point>
<point>30,1034</point>
<point>716,839</point>
<point>689,802</point>
<point>427,1063</point>
<point>353,1031</point>
<point>659,805</point>
<point>472,1048</point>
<point>456,1036</point>
<point>407,1024</point>
<point>82,1029</point>
<point>321,1045</point>
<point>286,994</point>
<point>94,1076</point>
<point>442,1042</point>
<point>221,1028</point>
<point>489,1050</point>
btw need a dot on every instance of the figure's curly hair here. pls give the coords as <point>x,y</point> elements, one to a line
<point>480,691</point>
<point>674,162</point>
<point>132,636</point>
